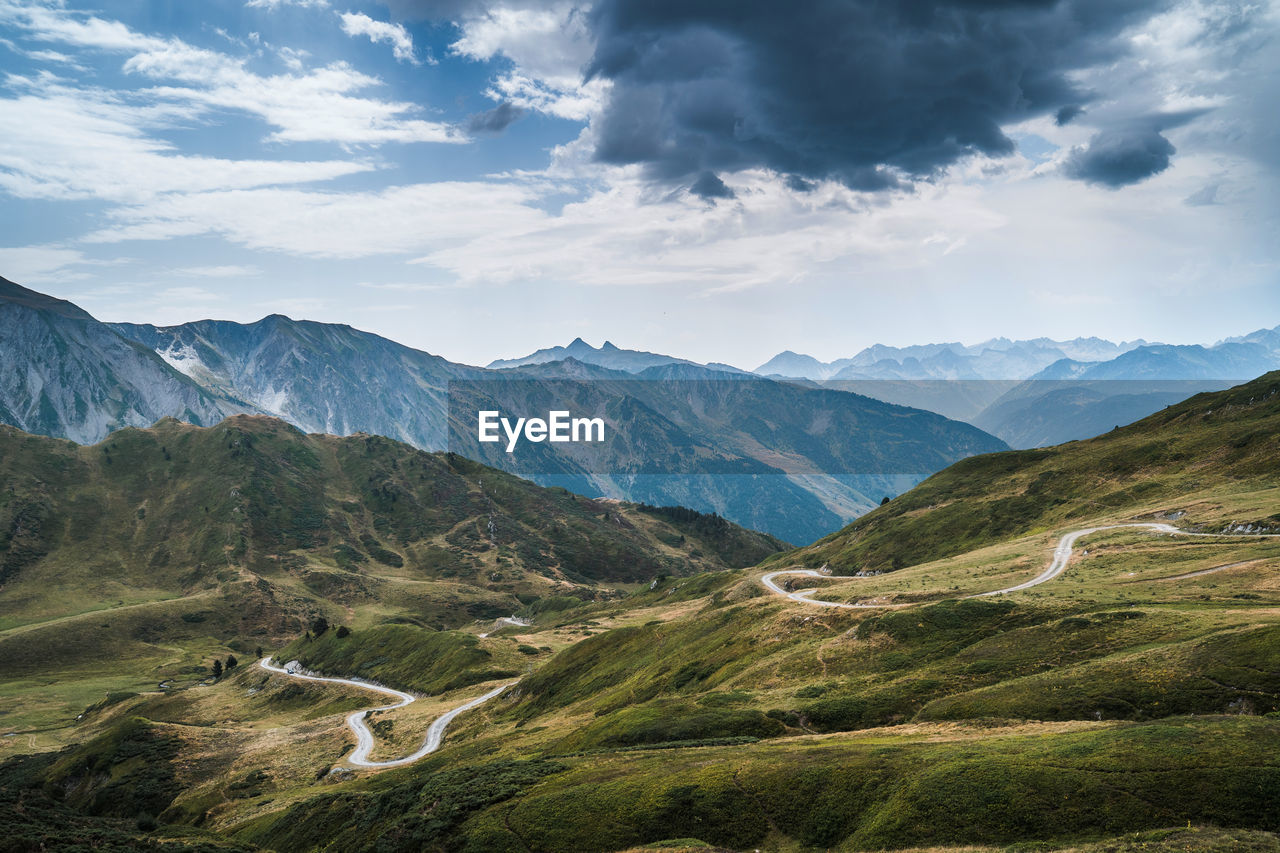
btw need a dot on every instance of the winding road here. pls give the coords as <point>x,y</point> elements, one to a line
<point>1062,555</point>
<point>804,595</point>
<point>507,621</point>
<point>359,756</point>
<point>1058,565</point>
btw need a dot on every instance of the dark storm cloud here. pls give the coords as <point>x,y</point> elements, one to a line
<point>865,92</point>
<point>1117,158</point>
<point>869,93</point>
<point>709,186</point>
<point>800,185</point>
<point>495,120</point>
<point>1067,113</point>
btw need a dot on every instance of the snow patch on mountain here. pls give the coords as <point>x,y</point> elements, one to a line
<point>182,358</point>
<point>273,400</point>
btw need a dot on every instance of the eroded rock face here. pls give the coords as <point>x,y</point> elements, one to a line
<point>67,375</point>
<point>320,377</point>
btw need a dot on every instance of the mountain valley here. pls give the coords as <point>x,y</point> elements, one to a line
<point>698,708</point>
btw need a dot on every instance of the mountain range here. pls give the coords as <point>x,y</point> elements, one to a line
<point>1249,356</point>
<point>1214,440</point>
<point>1040,392</point>
<point>995,360</point>
<point>607,355</point>
<point>792,461</point>
<point>773,453</point>
<point>1030,393</point>
<point>998,358</point>
<point>776,456</point>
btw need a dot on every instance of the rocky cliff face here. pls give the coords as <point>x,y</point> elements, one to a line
<point>68,375</point>
<point>321,377</point>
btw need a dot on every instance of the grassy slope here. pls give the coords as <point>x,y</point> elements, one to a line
<point>852,793</point>
<point>1115,699</point>
<point>175,505</point>
<point>1229,438</point>
<point>939,721</point>
<point>409,657</point>
<point>142,558</point>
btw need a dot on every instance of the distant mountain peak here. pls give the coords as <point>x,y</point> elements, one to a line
<point>1263,335</point>
<point>995,358</point>
<point>799,365</point>
<point>608,355</point>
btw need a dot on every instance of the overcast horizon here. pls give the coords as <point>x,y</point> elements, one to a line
<point>484,179</point>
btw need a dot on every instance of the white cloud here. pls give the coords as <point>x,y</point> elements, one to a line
<point>575,104</point>
<point>222,271</point>
<point>52,56</point>
<point>405,287</point>
<point>994,244</point>
<point>1000,241</point>
<point>189,294</point>
<point>298,306</point>
<point>413,218</point>
<point>498,231</point>
<point>319,106</point>
<point>323,104</point>
<point>45,56</point>
<point>357,24</point>
<point>294,59</point>
<point>548,48</point>
<point>769,236</point>
<point>67,143</point>
<point>40,264</point>
<point>169,306</point>
<point>49,21</point>
<point>551,44</point>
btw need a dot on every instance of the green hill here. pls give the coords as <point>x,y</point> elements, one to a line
<point>1212,440</point>
<point>1132,703</point>
<point>138,559</point>
<point>176,507</point>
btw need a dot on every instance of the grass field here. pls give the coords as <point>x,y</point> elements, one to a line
<point>1133,703</point>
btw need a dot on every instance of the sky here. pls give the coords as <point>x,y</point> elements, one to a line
<point>714,180</point>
